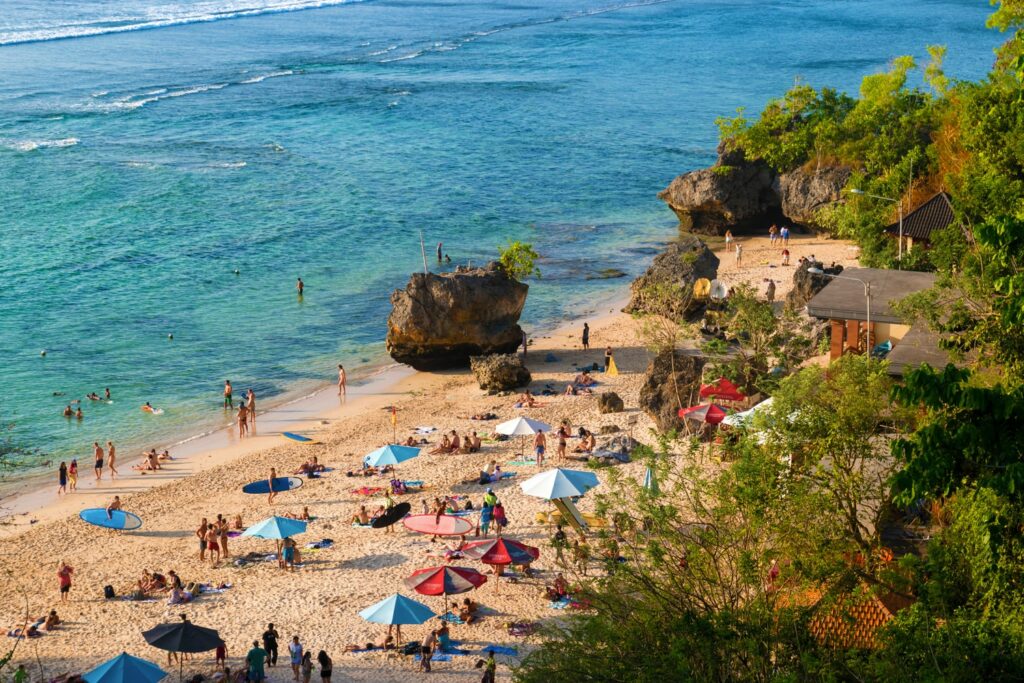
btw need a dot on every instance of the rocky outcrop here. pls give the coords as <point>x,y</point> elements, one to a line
<point>672,380</point>
<point>499,372</point>
<point>440,320</point>
<point>802,193</point>
<point>807,284</point>
<point>733,194</point>
<point>680,265</point>
<point>610,402</point>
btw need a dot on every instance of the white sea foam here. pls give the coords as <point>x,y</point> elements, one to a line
<point>159,17</point>
<point>402,58</point>
<point>31,145</point>
<point>134,101</point>
<point>229,164</point>
<point>263,77</point>
<point>384,51</point>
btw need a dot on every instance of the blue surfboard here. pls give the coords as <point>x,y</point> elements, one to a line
<point>280,484</point>
<point>118,519</point>
<point>298,437</point>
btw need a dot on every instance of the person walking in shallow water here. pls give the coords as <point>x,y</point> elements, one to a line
<point>228,403</point>
<point>300,286</point>
<point>97,451</point>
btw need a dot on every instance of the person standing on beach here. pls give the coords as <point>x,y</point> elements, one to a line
<point>73,475</point>
<point>254,660</point>
<point>342,379</point>
<point>222,532</point>
<point>64,573</point>
<point>243,421</point>
<point>270,637</point>
<point>97,452</point>
<point>607,358</point>
<point>295,655</point>
<point>111,459</point>
<point>213,544</point>
<point>300,286</point>
<point>773,234</point>
<point>326,666</point>
<point>770,292</point>
<point>62,479</point>
<point>784,234</point>
<point>270,483</point>
<point>201,533</point>
<point>250,406</point>
<point>728,239</point>
<point>739,254</point>
<point>586,336</point>
<point>228,403</point>
<point>540,442</point>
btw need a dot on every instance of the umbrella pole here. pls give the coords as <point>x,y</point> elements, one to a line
<point>181,667</point>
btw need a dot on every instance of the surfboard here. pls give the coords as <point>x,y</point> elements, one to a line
<point>391,516</point>
<point>119,519</point>
<point>298,437</point>
<point>281,484</point>
<point>447,526</point>
<point>152,411</point>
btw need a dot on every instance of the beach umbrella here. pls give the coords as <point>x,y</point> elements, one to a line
<point>445,581</point>
<point>711,414</point>
<point>276,527</point>
<point>182,636</point>
<point>559,483</point>
<point>125,669</point>
<point>722,389</point>
<point>501,551</point>
<point>522,427</point>
<point>741,419</point>
<point>397,610</point>
<point>651,482</point>
<point>391,454</point>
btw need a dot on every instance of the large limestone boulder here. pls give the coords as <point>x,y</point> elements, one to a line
<point>803,193</point>
<point>500,372</point>
<point>610,402</point>
<point>439,320</point>
<point>733,194</point>
<point>672,381</point>
<point>807,284</point>
<point>682,263</point>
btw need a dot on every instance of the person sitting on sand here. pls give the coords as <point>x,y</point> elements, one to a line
<point>570,390</point>
<point>487,472</point>
<point>411,442</point>
<point>51,621</point>
<point>587,442</point>
<point>526,400</point>
<point>378,512</point>
<point>178,596</point>
<point>456,443</point>
<point>444,447</point>
<point>557,590</point>
<point>474,442</point>
<point>166,455</point>
<point>362,518</point>
<point>453,553</point>
<point>237,524</point>
<point>468,610</point>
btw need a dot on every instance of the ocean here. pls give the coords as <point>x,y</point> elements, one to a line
<point>150,149</point>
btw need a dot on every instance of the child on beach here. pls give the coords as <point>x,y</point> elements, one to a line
<point>64,573</point>
<point>73,476</point>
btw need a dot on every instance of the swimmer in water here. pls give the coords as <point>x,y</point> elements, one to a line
<point>68,412</point>
<point>79,414</point>
<point>106,393</point>
<point>93,396</point>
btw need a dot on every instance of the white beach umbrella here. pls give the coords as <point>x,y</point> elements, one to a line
<point>740,419</point>
<point>522,426</point>
<point>559,483</point>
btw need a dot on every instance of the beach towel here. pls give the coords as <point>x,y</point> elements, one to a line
<point>234,534</point>
<point>561,603</point>
<point>452,618</point>
<point>501,650</point>
<point>508,475</point>
<point>322,543</point>
<point>437,658</point>
<point>362,526</point>
<point>517,463</point>
<point>367,491</point>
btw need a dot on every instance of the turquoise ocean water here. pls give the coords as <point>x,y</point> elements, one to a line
<point>148,149</point>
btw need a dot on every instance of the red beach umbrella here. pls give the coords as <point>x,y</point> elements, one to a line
<point>711,413</point>
<point>722,389</point>
<point>445,581</point>
<point>501,551</point>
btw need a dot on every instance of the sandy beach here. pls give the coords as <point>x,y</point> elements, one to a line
<point>320,601</point>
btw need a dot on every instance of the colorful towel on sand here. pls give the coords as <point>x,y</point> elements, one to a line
<point>521,463</point>
<point>437,658</point>
<point>234,534</point>
<point>561,603</point>
<point>501,650</point>
<point>451,618</point>
<point>367,491</point>
<point>362,526</point>
<point>415,484</point>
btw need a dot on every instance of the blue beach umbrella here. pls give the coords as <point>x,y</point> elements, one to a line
<point>125,669</point>
<point>396,610</point>
<point>559,483</point>
<point>276,527</point>
<point>390,455</point>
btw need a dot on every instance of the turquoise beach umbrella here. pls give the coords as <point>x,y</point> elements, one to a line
<point>276,527</point>
<point>559,483</point>
<point>397,609</point>
<point>125,669</point>
<point>390,455</point>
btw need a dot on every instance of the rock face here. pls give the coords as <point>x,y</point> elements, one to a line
<point>609,402</point>
<point>672,378</point>
<point>801,193</point>
<point>499,372</point>
<point>806,284</point>
<point>440,320</point>
<point>733,194</point>
<point>681,263</point>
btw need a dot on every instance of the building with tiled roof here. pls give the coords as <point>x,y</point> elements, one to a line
<point>919,224</point>
<point>855,620</point>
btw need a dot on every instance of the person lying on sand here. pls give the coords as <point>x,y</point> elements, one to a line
<point>312,466</point>
<point>453,553</point>
<point>362,517</point>
<point>51,621</point>
<point>479,416</point>
<point>166,455</point>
